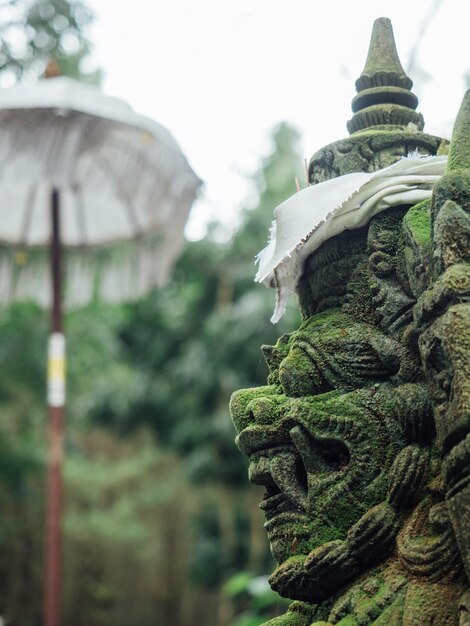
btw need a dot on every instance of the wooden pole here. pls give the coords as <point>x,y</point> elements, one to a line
<point>56,402</point>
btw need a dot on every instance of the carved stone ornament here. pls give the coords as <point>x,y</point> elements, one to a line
<point>361,435</point>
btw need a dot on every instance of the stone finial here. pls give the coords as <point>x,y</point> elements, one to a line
<point>383,95</point>
<point>459,152</point>
<point>52,69</point>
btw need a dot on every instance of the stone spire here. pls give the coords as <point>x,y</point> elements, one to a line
<point>459,153</point>
<point>383,95</point>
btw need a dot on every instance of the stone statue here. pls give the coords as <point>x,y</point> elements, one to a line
<point>361,436</point>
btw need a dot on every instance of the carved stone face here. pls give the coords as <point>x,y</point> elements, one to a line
<point>324,461</point>
<point>322,439</point>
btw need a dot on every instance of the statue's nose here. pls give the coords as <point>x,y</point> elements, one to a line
<point>253,406</point>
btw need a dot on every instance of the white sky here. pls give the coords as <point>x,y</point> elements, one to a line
<point>220,74</point>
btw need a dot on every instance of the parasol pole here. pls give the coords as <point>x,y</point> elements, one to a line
<point>56,402</point>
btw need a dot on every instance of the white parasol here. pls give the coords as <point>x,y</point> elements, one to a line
<point>120,177</point>
<point>80,170</point>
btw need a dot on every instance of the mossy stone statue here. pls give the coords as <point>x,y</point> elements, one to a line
<point>361,436</point>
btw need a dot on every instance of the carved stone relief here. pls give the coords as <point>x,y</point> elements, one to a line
<point>360,437</point>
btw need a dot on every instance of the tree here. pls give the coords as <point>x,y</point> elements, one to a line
<point>32,32</point>
<point>198,340</point>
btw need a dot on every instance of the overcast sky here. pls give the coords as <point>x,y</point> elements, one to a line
<point>220,74</point>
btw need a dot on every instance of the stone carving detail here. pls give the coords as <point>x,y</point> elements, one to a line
<point>360,438</point>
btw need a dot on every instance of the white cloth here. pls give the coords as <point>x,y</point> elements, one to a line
<point>315,214</point>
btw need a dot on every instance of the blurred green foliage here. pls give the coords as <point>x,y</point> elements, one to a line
<point>196,341</point>
<point>254,599</point>
<point>158,511</point>
<point>34,31</point>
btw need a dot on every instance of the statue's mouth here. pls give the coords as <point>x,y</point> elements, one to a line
<point>280,512</point>
<point>276,502</point>
<point>295,466</point>
<point>273,500</point>
<point>283,470</point>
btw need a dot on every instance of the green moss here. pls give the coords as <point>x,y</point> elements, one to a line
<point>347,621</point>
<point>418,222</point>
<point>386,138</point>
<point>323,320</point>
<point>453,186</point>
<point>299,614</point>
<point>266,399</point>
<point>320,356</point>
<point>459,153</point>
<point>393,615</point>
<point>328,272</point>
<point>443,148</point>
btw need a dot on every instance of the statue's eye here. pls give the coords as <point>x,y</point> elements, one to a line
<point>298,373</point>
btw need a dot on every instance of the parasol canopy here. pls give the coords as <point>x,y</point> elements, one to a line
<point>120,176</point>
